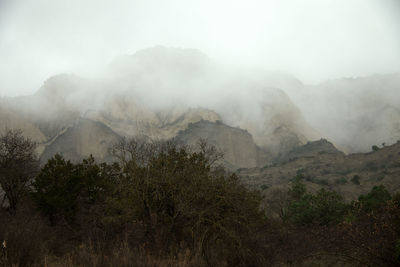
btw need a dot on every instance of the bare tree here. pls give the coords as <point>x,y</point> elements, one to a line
<point>212,153</point>
<point>141,149</point>
<point>18,166</point>
<point>276,202</point>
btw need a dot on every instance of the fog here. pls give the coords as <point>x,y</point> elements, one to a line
<point>314,40</point>
<point>286,71</point>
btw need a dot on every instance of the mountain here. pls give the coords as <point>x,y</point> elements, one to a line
<point>163,93</point>
<point>84,138</point>
<point>166,93</point>
<point>354,113</point>
<point>237,145</point>
<point>320,164</point>
<point>310,149</point>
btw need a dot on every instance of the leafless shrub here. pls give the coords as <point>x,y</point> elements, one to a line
<point>18,165</point>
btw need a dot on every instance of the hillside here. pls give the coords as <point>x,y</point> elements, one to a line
<point>83,139</point>
<point>321,165</point>
<point>237,145</point>
<point>159,92</point>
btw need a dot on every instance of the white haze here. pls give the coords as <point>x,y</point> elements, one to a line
<point>314,40</point>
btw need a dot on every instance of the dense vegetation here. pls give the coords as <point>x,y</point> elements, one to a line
<point>163,204</point>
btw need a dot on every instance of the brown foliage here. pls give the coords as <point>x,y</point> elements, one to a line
<point>18,166</point>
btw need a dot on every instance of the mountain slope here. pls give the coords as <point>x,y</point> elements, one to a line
<point>322,165</point>
<point>238,146</point>
<point>81,140</point>
<point>354,113</point>
<point>158,92</point>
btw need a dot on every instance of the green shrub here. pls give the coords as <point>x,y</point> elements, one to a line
<point>374,199</point>
<point>341,181</point>
<point>323,208</point>
<point>264,187</point>
<point>321,181</point>
<point>62,187</point>
<point>356,180</point>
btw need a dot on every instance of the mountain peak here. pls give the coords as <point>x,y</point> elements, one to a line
<point>161,57</point>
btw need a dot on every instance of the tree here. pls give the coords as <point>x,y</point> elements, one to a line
<point>375,148</point>
<point>18,166</point>
<point>182,196</point>
<point>374,199</point>
<point>62,188</point>
<point>56,188</point>
<point>324,207</point>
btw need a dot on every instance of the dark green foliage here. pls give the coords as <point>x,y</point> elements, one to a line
<point>169,205</point>
<point>355,180</point>
<point>323,208</point>
<point>397,250</point>
<point>180,197</point>
<point>57,188</point>
<point>298,189</point>
<point>375,148</point>
<point>264,187</point>
<point>61,186</point>
<point>374,199</point>
<point>341,181</point>
<point>174,195</point>
<point>321,181</point>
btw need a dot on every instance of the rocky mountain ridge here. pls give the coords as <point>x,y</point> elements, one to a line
<point>320,164</point>
<point>166,93</point>
<point>142,96</point>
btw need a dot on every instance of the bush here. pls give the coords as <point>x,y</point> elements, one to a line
<point>180,197</point>
<point>24,237</point>
<point>264,187</point>
<point>341,181</point>
<point>323,208</point>
<point>374,199</point>
<point>18,166</point>
<point>62,187</point>
<point>355,180</point>
<point>375,148</point>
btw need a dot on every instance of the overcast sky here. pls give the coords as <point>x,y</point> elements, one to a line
<point>311,39</point>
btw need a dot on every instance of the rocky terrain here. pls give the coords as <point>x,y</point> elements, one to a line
<point>142,95</point>
<point>320,164</point>
<point>237,145</point>
<point>256,118</point>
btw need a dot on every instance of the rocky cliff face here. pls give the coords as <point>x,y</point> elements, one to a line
<point>276,124</point>
<point>241,99</point>
<point>321,165</point>
<point>161,93</point>
<point>84,138</point>
<point>310,149</point>
<point>237,145</point>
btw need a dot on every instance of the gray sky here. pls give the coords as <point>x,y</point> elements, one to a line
<point>311,39</point>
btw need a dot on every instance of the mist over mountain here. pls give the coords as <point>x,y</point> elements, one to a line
<point>354,113</point>
<point>160,92</point>
<point>199,133</point>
